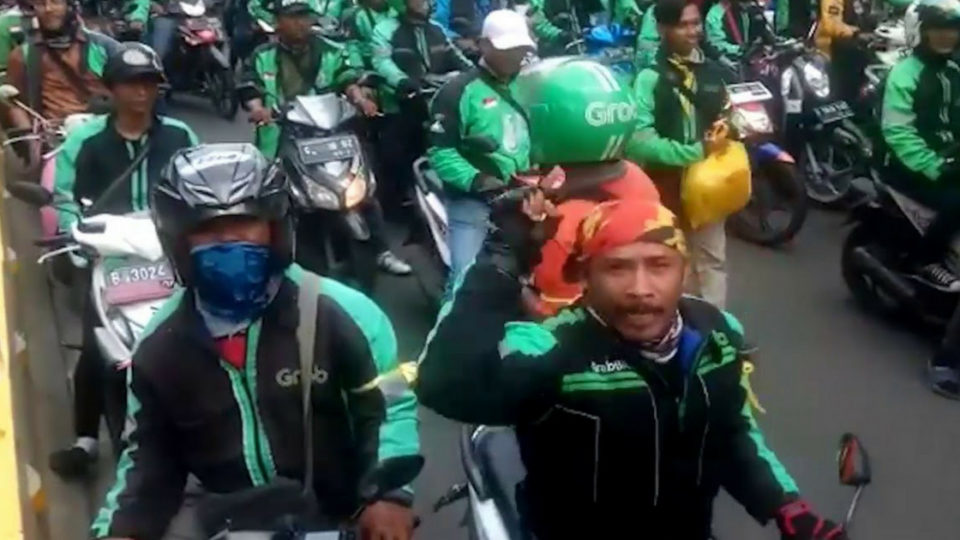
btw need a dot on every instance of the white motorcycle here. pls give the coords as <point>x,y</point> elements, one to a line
<point>129,279</point>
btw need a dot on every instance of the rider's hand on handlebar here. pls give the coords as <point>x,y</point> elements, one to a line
<point>260,116</point>
<point>797,521</point>
<point>386,520</point>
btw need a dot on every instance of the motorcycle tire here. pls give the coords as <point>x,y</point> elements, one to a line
<point>223,94</point>
<point>776,186</point>
<point>865,290</point>
<point>833,189</point>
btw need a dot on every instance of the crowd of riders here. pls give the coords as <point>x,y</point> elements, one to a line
<point>564,309</point>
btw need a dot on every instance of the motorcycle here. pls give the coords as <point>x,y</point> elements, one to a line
<point>199,63</point>
<point>877,259</point>
<point>833,152</point>
<point>331,180</point>
<point>129,280</point>
<point>283,509</point>
<point>494,470</point>
<point>777,189</point>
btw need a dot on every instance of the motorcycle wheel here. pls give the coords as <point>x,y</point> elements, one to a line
<point>220,84</point>
<point>778,192</point>
<point>865,290</point>
<point>830,186</point>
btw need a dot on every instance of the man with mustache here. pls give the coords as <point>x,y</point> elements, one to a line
<point>631,406</point>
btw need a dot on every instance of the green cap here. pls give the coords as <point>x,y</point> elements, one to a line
<point>577,109</point>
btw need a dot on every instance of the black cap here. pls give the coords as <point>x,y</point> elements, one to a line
<point>132,60</point>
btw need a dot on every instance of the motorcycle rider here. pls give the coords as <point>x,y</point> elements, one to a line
<point>631,406</point>
<point>93,158</point>
<point>405,50</point>
<point>920,128</point>
<point>480,103</point>
<point>360,22</point>
<point>571,135</point>
<point>58,70</point>
<point>673,131</point>
<point>733,25</point>
<point>214,386</point>
<point>15,23</point>
<point>266,10</point>
<point>301,63</point>
<point>462,21</point>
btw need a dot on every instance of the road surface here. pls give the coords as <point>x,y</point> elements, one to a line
<point>824,368</point>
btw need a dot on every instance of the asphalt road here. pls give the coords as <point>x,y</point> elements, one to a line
<point>824,368</point>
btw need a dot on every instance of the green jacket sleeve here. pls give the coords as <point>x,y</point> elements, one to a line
<point>646,146</point>
<point>444,135</point>
<point>626,12</point>
<point>64,180</point>
<point>250,84</point>
<point>648,42</point>
<point>260,12</point>
<point>480,367</point>
<point>899,123</point>
<point>140,10</point>
<point>382,58</point>
<point>542,27</point>
<point>716,35</point>
<point>349,64</point>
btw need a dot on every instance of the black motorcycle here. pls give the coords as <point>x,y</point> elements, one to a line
<point>878,259</point>
<point>198,63</point>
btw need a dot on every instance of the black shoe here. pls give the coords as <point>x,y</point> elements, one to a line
<point>939,276</point>
<point>73,463</point>
<point>944,381</point>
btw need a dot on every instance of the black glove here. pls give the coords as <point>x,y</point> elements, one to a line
<point>407,89</point>
<point>515,241</point>
<point>797,521</point>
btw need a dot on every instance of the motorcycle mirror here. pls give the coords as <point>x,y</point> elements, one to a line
<point>853,463</point>
<point>392,473</point>
<point>30,192</point>
<point>8,91</point>
<point>481,143</point>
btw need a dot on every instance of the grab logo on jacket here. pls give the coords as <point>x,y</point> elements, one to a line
<point>514,132</point>
<point>287,377</point>
<point>601,113</point>
<point>609,366</point>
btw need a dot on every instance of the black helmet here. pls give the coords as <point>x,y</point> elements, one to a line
<point>214,180</point>
<point>132,60</point>
<point>938,13</point>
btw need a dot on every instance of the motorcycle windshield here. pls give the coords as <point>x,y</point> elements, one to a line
<point>325,111</point>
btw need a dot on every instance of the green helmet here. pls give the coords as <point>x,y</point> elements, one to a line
<point>577,109</point>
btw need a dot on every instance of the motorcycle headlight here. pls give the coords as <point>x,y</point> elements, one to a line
<point>322,197</point>
<point>356,190</point>
<point>817,80</point>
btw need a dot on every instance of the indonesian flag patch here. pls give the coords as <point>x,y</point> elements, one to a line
<point>489,102</point>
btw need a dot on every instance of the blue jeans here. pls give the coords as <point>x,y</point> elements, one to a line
<point>467,227</point>
<point>160,38</point>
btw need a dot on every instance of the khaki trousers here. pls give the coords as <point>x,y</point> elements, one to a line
<point>707,269</point>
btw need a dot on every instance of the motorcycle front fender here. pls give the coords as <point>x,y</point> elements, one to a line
<point>357,225</point>
<point>767,152</point>
<point>217,57</point>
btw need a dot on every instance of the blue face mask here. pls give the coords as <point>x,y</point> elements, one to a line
<point>232,279</point>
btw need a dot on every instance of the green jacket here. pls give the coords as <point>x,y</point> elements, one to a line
<point>95,51</point>
<point>721,36</point>
<point>138,10</point>
<point>94,154</point>
<point>359,23</point>
<point>920,116</point>
<point>326,8</point>
<point>612,442</point>
<point>648,41</point>
<point>336,65</point>
<point>670,129</point>
<point>12,32</point>
<point>403,50</point>
<point>473,104</point>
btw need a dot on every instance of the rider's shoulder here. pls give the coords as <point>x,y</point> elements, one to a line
<point>706,317</point>
<point>170,121</point>
<point>156,336</point>
<point>359,307</point>
<point>82,132</point>
<point>100,39</point>
<point>387,26</point>
<point>454,89</point>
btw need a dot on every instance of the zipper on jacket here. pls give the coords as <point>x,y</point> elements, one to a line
<point>596,444</point>
<point>656,447</point>
<point>245,401</point>
<point>706,429</point>
<point>257,450</point>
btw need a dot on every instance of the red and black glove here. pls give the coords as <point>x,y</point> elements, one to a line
<point>797,521</point>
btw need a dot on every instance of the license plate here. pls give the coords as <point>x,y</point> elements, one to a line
<point>126,284</point>
<point>833,112</point>
<point>315,151</point>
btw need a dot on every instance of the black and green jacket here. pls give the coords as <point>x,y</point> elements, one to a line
<point>920,117</point>
<point>359,23</point>
<point>95,49</point>
<point>334,66</point>
<point>610,441</point>
<point>731,27</point>
<point>403,49</point>
<point>670,127</point>
<point>13,28</point>
<point>475,103</point>
<point>94,154</point>
<point>190,412</point>
<point>263,9</point>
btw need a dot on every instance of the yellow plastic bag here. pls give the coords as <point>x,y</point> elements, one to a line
<point>717,186</point>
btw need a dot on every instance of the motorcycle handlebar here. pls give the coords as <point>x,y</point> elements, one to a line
<point>53,241</point>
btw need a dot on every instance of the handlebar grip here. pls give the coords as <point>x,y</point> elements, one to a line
<point>52,241</point>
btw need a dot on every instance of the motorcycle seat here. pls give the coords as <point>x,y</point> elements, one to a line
<point>498,456</point>
<point>919,215</point>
